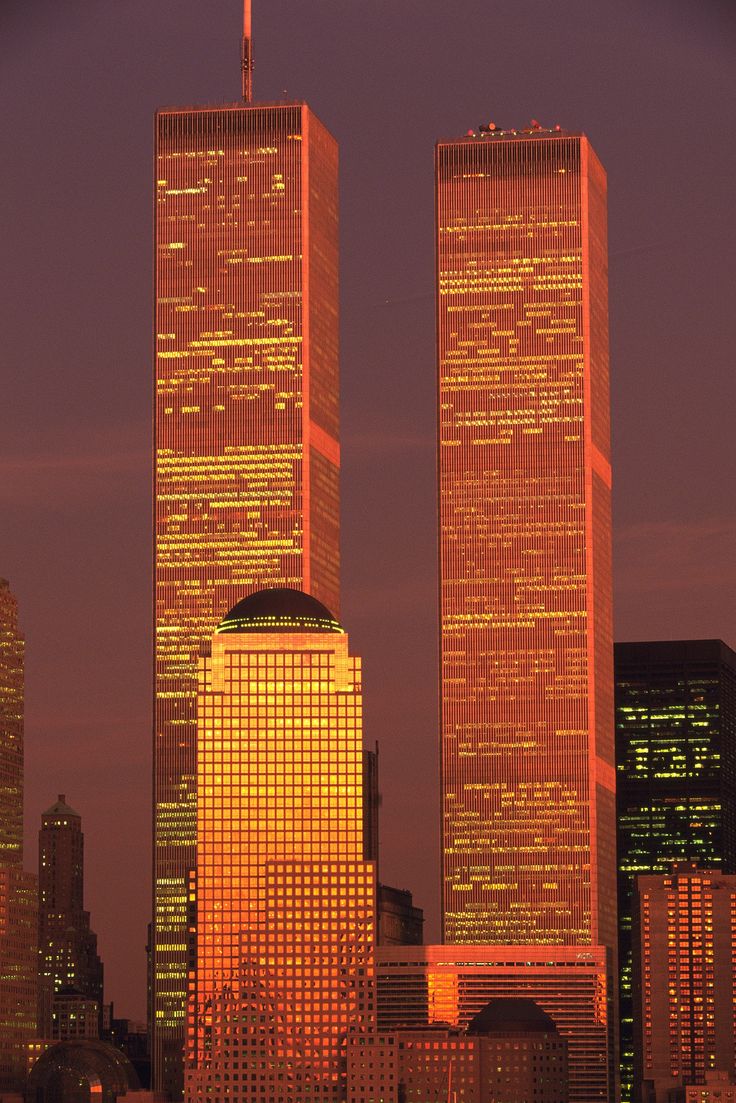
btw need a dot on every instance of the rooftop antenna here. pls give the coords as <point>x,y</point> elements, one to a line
<point>246,55</point>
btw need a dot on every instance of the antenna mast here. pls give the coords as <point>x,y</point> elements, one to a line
<point>246,55</point>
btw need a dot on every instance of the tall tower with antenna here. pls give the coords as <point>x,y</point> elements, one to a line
<point>246,434</point>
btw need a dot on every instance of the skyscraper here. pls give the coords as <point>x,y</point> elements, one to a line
<point>285,902</point>
<point>676,776</point>
<point>246,427</point>
<point>68,955</point>
<point>18,889</point>
<point>527,751</point>
<point>684,941</point>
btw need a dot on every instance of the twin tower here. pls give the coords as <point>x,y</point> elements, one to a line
<point>246,483</point>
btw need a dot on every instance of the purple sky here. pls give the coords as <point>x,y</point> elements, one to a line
<point>651,83</point>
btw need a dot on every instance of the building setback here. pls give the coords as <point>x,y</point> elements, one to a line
<point>676,776</point>
<point>285,902</point>
<point>684,979</point>
<point>68,955</point>
<point>246,433</point>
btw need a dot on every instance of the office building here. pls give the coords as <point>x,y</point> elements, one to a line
<point>285,902</point>
<point>684,979</point>
<point>18,889</point>
<point>400,923</point>
<point>418,986</point>
<point>246,431</point>
<point>527,754</point>
<point>510,1053</point>
<point>67,944</point>
<point>74,1015</point>
<point>676,775</point>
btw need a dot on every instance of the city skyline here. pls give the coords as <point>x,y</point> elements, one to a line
<point>382,578</point>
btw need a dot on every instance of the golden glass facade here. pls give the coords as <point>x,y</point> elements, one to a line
<point>246,433</point>
<point>284,901</point>
<point>527,749</point>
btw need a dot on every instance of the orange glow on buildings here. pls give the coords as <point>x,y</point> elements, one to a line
<point>246,428</point>
<point>527,752</point>
<point>285,902</point>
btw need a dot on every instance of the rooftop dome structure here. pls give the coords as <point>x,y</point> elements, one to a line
<point>61,808</point>
<point>79,1072</point>
<point>511,1016</point>
<point>279,610</point>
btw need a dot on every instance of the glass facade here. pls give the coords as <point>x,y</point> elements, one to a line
<point>246,433</point>
<point>527,748</point>
<point>449,985</point>
<point>676,767</point>
<point>284,901</point>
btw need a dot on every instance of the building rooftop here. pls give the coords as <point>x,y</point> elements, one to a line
<point>511,1015</point>
<point>61,808</point>
<point>279,610</point>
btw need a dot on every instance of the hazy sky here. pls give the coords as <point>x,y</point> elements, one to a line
<point>650,82</point>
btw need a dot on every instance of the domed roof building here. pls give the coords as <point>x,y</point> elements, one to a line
<point>79,1071</point>
<point>279,610</point>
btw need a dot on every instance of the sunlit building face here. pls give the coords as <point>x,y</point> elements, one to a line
<point>284,900</point>
<point>524,512</point>
<point>246,427</point>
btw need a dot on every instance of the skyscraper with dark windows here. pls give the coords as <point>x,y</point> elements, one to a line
<point>527,753</point>
<point>68,957</point>
<point>246,430</point>
<point>18,889</point>
<point>676,776</point>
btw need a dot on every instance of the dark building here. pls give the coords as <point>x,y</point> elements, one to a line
<point>676,776</point>
<point>18,898</point>
<point>67,946</point>
<point>399,922</point>
<point>511,1052</point>
<point>81,1072</point>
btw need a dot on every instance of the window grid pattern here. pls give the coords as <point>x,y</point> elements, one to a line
<point>284,901</point>
<point>246,428</point>
<point>524,514</point>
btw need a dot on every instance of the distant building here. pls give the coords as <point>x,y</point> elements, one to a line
<point>684,979</point>
<point>74,1015</point>
<point>68,955</point>
<point>450,985</point>
<point>510,1053</point>
<point>285,902</point>
<point>18,889</point>
<point>676,776</point>
<point>400,923</point>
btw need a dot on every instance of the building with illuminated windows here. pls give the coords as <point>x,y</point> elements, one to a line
<point>511,1052</point>
<point>68,957</point>
<point>18,889</point>
<point>448,986</point>
<point>284,901</point>
<point>246,432</point>
<point>684,979</point>
<point>527,746</point>
<point>676,775</point>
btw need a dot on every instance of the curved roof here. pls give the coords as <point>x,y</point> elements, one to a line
<point>85,1064</point>
<point>511,1015</point>
<point>279,610</point>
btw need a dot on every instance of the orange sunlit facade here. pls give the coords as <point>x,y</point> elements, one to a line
<point>246,434</point>
<point>283,901</point>
<point>525,527</point>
